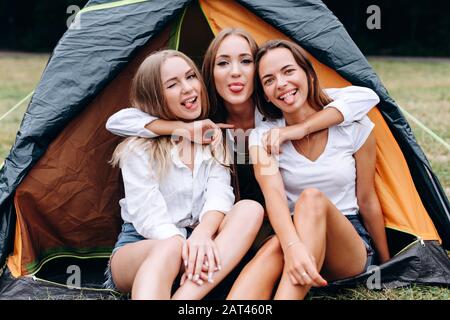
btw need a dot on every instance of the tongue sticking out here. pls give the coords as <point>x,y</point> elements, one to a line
<point>289,99</point>
<point>236,88</point>
<point>189,105</point>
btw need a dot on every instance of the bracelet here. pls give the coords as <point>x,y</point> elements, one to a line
<point>290,244</point>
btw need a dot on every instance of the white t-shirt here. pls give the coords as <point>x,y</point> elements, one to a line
<point>333,172</point>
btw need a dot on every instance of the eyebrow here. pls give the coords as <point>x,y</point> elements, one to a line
<point>175,78</point>
<point>285,67</point>
<point>227,56</point>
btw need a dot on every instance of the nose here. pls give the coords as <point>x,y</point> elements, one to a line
<point>186,87</point>
<point>281,82</point>
<point>235,69</point>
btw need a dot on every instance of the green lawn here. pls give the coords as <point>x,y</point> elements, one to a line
<point>422,87</point>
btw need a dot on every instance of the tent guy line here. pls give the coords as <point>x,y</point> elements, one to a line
<point>16,106</point>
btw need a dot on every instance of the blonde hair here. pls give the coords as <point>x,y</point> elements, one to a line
<point>147,94</point>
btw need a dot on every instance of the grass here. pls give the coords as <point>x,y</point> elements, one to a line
<point>19,74</point>
<point>420,86</point>
<point>414,292</point>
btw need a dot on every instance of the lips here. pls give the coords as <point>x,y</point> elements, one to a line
<point>236,87</point>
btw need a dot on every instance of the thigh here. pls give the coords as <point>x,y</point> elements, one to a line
<point>345,254</point>
<point>127,260</point>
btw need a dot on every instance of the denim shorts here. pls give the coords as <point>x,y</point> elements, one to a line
<point>355,220</point>
<point>127,235</point>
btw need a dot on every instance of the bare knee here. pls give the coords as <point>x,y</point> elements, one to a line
<point>311,202</point>
<point>169,249</point>
<point>251,213</point>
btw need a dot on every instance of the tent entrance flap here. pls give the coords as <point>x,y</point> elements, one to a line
<point>195,34</point>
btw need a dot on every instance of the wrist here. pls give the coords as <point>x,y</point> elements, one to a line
<point>187,129</point>
<point>204,230</point>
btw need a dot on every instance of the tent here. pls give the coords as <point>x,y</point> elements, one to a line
<point>59,197</point>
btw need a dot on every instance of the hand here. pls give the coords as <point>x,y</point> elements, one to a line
<point>206,132</point>
<point>200,252</point>
<point>203,275</point>
<point>275,137</point>
<point>301,266</point>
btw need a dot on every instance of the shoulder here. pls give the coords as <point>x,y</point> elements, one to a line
<point>134,149</point>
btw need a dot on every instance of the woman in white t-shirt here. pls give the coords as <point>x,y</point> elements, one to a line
<point>178,209</point>
<point>315,189</point>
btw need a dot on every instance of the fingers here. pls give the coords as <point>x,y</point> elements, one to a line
<point>211,263</point>
<point>307,277</point>
<point>185,254</point>
<point>225,125</point>
<point>203,279</point>
<point>216,138</point>
<point>191,262</point>
<point>198,264</point>
<point>314,278</point>
<point>271,142</point>
<point>293,279</point>
<point>216,256</point>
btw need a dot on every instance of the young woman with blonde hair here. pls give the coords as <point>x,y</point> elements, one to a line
<point>178,209</point>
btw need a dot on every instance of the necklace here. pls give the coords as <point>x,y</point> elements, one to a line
<point>296,143</point>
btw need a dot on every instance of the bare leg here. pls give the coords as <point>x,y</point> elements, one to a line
<point>331,239</point>
<point>259,277</point>
<point>147,268</point>
<point>234,238</point>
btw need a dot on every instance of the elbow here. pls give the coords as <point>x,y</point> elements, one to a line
<point>374,98</point>
<point>370,209</point>
<point>369,204</point>
<point>110,123</point>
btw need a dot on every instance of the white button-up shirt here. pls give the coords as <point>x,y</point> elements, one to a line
<point>159,210</point>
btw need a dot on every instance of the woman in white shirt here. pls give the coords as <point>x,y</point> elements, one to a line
<point>315,189</point>
<point>229,70</point>
<point>178,209</point>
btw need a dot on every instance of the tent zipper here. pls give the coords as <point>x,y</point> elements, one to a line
<point>72,287</point>
<point>62,255</point>
<point>418,239</point>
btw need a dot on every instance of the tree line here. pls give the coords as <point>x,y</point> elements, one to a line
<point>411,28</point>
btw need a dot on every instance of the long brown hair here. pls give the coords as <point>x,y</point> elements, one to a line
<point>218,111</point>
<point>317,98</point>
<point>147,94</point>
